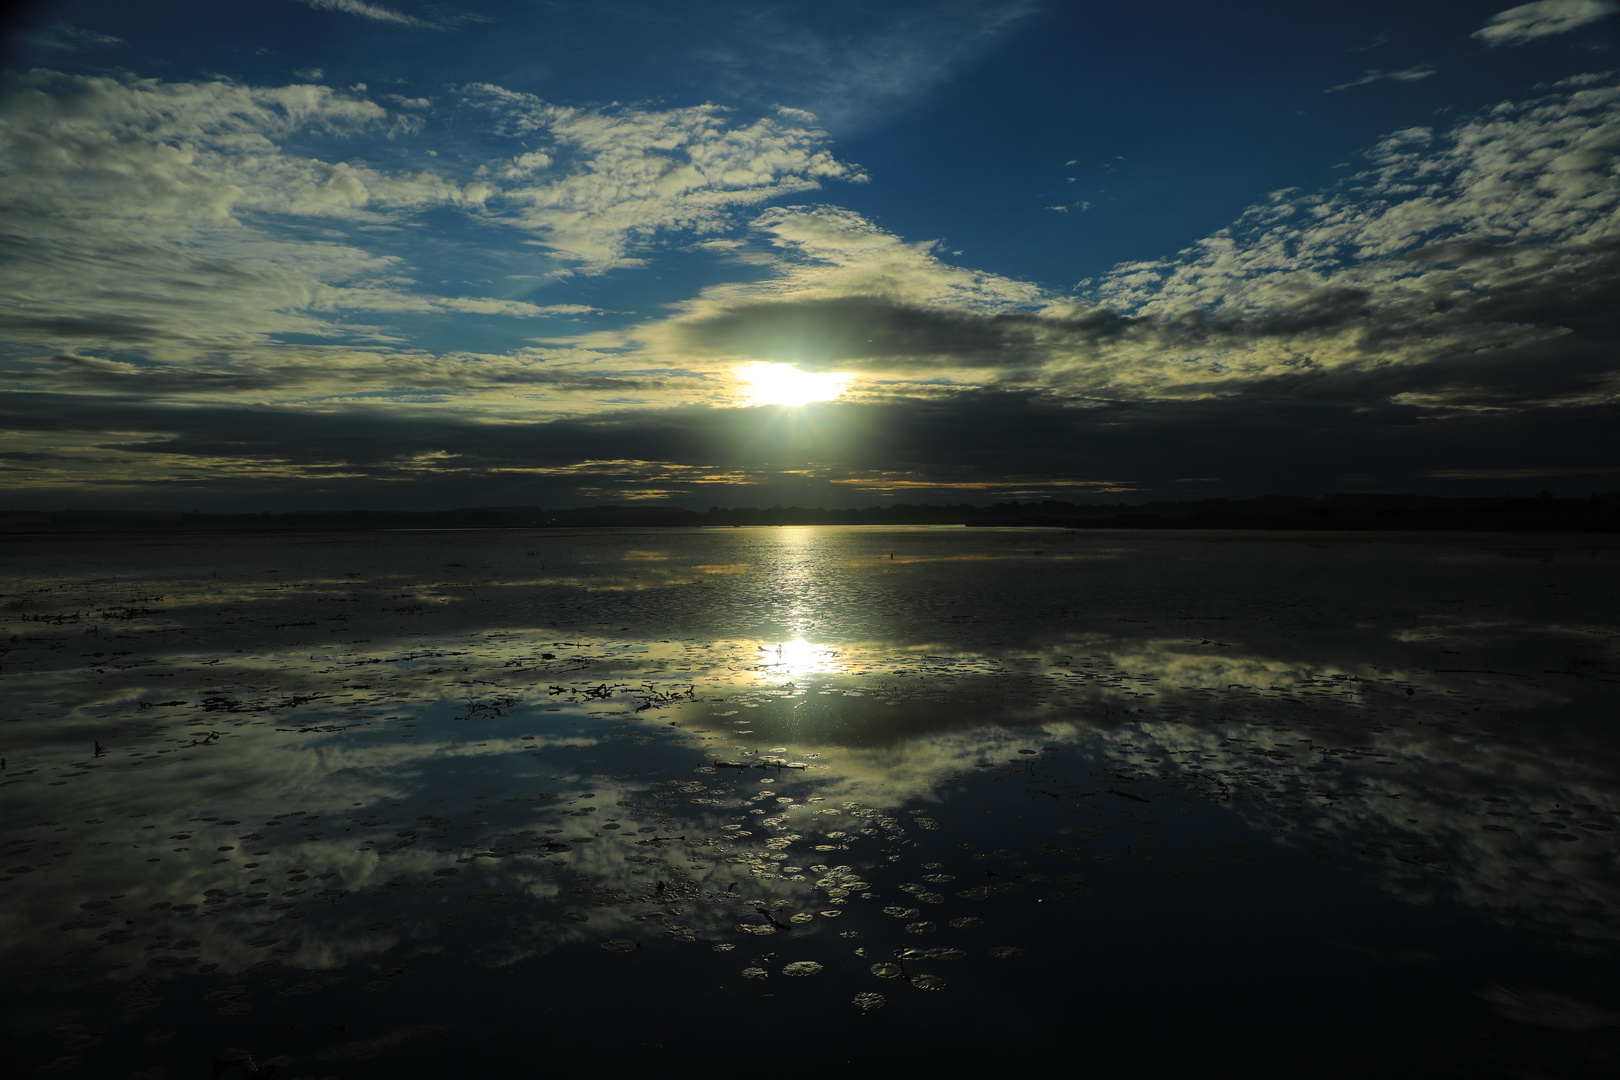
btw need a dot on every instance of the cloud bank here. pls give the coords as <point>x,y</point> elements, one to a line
<point>205,294</point>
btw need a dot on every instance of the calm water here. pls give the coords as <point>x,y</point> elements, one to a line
<point>795,800</point>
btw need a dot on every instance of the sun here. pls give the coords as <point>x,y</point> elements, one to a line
<point>784,384</point>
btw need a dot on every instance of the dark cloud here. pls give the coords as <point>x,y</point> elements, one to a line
<point>855,330</point>
<point>963,446</point>
<point>122,329</point>
<point>1533,324</point>
<point>344,372</point>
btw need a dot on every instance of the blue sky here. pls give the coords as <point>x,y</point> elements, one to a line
<point>303,253</point>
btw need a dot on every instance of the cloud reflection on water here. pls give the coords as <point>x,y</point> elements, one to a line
<point>615,774</point>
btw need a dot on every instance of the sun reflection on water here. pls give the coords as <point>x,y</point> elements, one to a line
<point>795,660</point>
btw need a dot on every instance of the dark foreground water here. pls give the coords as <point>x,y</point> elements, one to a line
<point>787,802</point>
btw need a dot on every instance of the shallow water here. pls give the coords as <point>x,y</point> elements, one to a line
<point>425,803</point>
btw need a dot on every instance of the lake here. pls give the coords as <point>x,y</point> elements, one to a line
<point>791,800</point>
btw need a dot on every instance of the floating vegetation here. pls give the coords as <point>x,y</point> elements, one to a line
<point>802,967</point>
<point>866,1002</point>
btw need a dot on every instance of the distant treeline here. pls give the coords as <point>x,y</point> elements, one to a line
<point>1349,511</point>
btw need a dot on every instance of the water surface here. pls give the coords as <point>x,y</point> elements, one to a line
<point>793,799</point>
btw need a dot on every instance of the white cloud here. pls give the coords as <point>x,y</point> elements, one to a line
<point>1411,74</point>
<point>153,215</point>
<point>1480,241</point>
<point>608,180</point>
<point>1517,25</point>
<point>1539,172</point>
<point>368,11</point>
<point>832,252</point>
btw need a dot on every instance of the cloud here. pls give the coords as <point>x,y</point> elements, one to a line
<point>1475,268</point>
<point>177,216</point>
<point>186,286</point>
<point>375,12</point>
<point>297,378</point>
<point>1522,474</point>
<point>606,179</point>
<point>982,444</point>
<point>852,78</point>
<point>1517,25</point>
<point>1494,240</point>
<point>66,37</point>
<point>1411,74</point>
<point>1530,1005</point>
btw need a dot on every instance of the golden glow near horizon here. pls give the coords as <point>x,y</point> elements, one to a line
<point>784,384</point>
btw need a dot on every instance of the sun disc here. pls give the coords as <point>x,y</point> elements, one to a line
<point>784,384</point>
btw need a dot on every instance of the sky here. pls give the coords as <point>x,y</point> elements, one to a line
<point>332,254</point>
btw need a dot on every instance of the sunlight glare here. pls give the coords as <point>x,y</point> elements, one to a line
<point>784,384</point>
<point>791,661</point>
